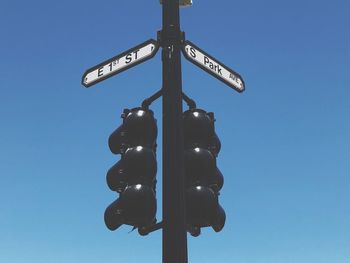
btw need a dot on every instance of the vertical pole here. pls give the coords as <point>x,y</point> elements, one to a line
<point>174,225</point>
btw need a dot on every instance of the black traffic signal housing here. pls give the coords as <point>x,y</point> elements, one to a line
<point>203,179</point>
<point>134,176</point>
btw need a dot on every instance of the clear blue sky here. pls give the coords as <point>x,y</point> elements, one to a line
<point>286,144</point>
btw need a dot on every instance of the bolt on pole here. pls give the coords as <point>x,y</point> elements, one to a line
<point>174,223</point>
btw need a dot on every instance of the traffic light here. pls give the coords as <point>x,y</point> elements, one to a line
<point>203,179</point>
<point>133,177</point>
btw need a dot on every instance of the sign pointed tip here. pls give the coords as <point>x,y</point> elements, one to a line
<point>84,80</point>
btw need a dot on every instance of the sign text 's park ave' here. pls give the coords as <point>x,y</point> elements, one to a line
<point>212,66</point>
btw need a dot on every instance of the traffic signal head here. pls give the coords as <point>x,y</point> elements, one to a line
<point>200,166</point>
<point>134,176</point>
<point>137,166</point>
<point>136,206</point>
<point>199,130</point>
<point>203,179</point>
<point>201,206</point>
<point>139,128</point>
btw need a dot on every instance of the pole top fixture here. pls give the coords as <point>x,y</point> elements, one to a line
<point>182,3</point>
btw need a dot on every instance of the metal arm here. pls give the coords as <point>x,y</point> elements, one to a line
<point>147,102</point>
<point>144,231</point>
<point>190,102</point>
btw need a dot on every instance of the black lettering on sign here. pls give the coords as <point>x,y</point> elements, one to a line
<point>233,77</point>
<point>110,66</point>
<point>100,72</point>
<point>211,65</point>
<point>219,70</point>
<point>206,60</point>
<point>128,58</point>
<point>192,52</point>
<point>135,52</point>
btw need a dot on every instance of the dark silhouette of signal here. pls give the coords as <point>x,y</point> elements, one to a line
<point>203,179</point>
<point>134,176</point>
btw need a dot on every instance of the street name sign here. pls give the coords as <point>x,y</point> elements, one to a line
<point>211,65</point>
<point>119,63</point>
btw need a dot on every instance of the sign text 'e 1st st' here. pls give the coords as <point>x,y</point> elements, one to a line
<point>119,63</point>
<point>217,69</point>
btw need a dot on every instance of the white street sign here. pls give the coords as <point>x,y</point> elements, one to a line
<point>200,58</point>
<point>121,62</point>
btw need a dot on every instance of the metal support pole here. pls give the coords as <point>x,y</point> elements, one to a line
<point>174,225</point>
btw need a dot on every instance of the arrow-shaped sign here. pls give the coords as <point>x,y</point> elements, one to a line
<point>119,63</point>
<point>206,62</point>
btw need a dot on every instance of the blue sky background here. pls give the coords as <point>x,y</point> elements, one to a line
<point>286,145</point>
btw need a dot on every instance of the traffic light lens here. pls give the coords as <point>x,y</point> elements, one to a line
<point>140,205</point>
<point>200,166</point>
<point>140,165</point>
<point>139,128</point>
<point>198,127</point>
<point>201,206</point>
